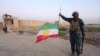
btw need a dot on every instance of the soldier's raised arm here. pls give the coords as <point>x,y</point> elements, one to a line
<point>64,18</point>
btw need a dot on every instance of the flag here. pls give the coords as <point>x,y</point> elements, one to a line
<point>47,31</point>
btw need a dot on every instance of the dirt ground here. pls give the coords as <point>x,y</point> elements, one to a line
<point>14,44</point>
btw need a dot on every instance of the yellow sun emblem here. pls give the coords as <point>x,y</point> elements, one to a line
<point>46,32</point>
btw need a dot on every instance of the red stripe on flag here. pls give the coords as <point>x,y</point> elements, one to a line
<point>43,37</point>
<point>54,36</point>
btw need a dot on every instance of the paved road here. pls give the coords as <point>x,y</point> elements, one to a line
<point>13,44</point>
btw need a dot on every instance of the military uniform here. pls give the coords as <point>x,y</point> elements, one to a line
<point>76,32</point>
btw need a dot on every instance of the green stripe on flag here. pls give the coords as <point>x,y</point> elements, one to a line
<point>49,26</point>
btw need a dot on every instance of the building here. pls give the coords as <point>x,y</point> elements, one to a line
<point>15,24</point>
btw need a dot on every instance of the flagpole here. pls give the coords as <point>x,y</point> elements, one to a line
<point>59,22</point>
<point>59,18</point>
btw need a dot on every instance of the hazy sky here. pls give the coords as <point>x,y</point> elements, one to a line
<point>48,9</point>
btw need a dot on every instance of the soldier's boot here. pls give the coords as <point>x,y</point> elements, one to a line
<point>78,54</point>
<point>73,54</point>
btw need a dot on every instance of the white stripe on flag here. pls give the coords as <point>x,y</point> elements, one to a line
<point>51,32</point>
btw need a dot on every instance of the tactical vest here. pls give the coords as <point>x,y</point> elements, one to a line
<point>75,26</point>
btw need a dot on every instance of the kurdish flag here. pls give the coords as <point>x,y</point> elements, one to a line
<point>47,31</point>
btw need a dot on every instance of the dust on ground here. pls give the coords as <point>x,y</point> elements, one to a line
<point>14,44</point>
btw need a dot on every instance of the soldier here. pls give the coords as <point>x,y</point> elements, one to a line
<point>76,32</point>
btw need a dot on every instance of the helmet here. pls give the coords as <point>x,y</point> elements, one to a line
<point>74,13</point>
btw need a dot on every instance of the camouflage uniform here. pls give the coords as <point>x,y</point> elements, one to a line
<point>76,33</point>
